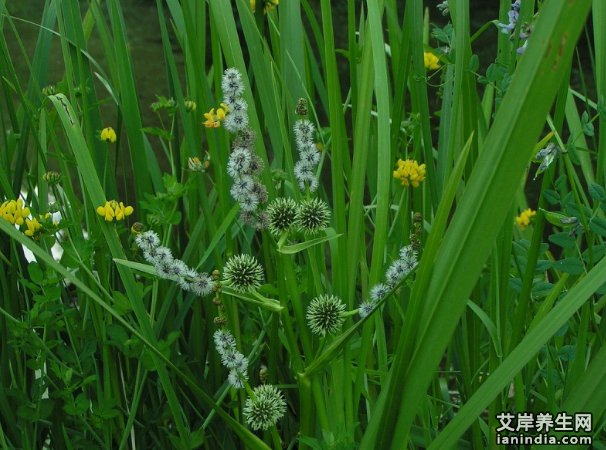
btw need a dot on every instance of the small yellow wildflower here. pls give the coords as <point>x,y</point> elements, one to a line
<point>108,135</point>
<point>409,172</point>
<point>431,61</point>
<point>214,119</point>
<point>33,226</point>
<point>13,211</point>
<point>112,209</point>
<point>523,220</point>
<point>253,4</point>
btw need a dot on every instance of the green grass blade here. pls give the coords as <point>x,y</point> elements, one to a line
<point>526,349</point>
<point>479,216</point>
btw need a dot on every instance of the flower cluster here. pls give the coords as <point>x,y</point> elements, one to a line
<point>214,119</point>
<point>236,362</point>
<point>265,407</point>
<point>309,216</point>
<point>243,273</point>
<point>108,135</point>
<point>309,156</point>
<point>171,268</point>
<point>523,220</point>
<point>244,165</point>
<point>512,15</point>
<point>430,61</point>
<point>409,172</point>
<point>396,272</point>
<point>325,315</point>
<point>114,210</point>
<point>14,212</point>
<point>508,28</point>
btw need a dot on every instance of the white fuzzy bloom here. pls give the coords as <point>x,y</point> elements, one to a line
<point>202,284</point>
<point>235,360</point>
<point>162,254</point>
<point>224,341</point>
<point>366,309</point>
<point>236,121</point>
<point>242,187</point>
<point>304,173</point>
<point>148,240</point>
<point>178,269</point>
<point>408,253</point>
<point>236,105</point>
<point>237,378</point>
<point>250,202</point>
<point>239,162</point>
<point>378,292</point>
<point>304,132</point>
<point>396,272</point>
<point>186,278</point>
<point>231,83</point>
<point>310,155</point>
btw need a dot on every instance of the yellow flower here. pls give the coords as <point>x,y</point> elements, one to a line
<point>106,211</point>
<point>13,211</point>
<point>431,61</point>
<point>123,211</point>
<point>113,210</point>
<point>33,226</point>
<point>108,135</point>
<point>214,119</point>
<point>409,172</point>
<point>253,4</point>
<point>523,220</point>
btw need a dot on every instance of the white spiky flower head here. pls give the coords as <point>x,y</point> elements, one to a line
<point>243,273</point>
<point>325,315</point>
<point>265,408</point>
